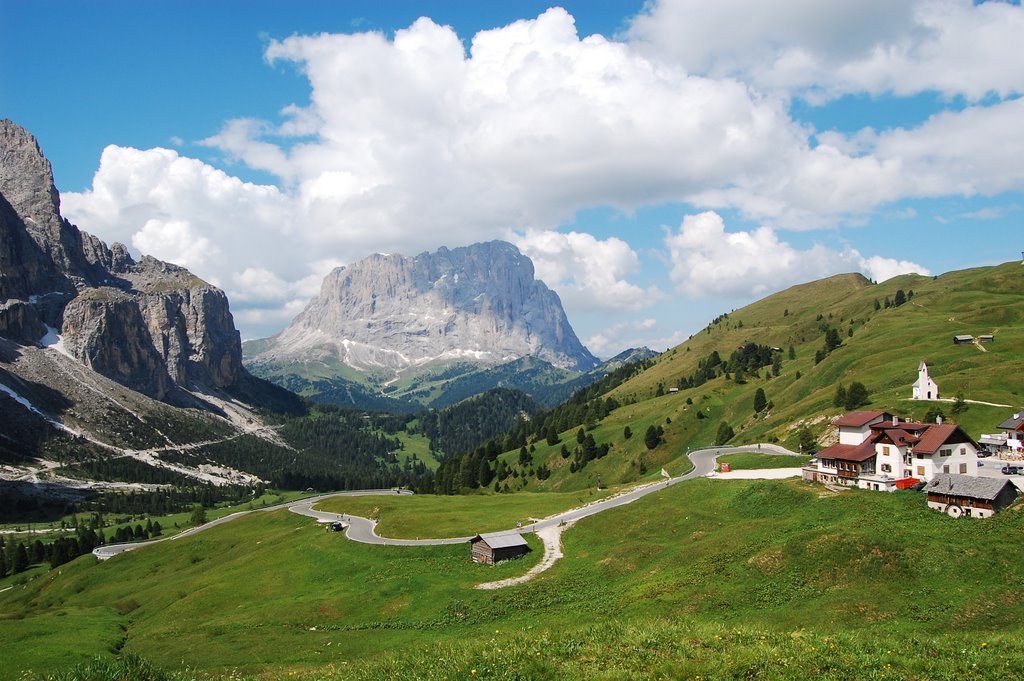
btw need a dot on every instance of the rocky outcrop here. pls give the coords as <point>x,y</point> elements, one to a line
<point>149,325</point>
<point>479,303</point>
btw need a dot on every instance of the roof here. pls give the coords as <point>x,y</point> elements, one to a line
<point>964,337</point>
<point>858,419</point>
<point>1012,423</point>
<point>968,486</point>
<point>856,453</point>
<point>501,540</point>
<point>940,434</point>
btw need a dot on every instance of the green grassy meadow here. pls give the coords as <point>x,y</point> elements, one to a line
<point>710,578</point>
<point>422,516</point>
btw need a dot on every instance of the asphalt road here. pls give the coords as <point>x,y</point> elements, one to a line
<point>364,530</point>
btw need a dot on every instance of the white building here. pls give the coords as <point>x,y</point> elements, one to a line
<point>925,388</point>
<point>877,451</point>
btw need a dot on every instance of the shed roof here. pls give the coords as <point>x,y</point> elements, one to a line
<point>968,486</point>
<point>858,419</point>
<point>500,540</point>
<point>1013,423</point>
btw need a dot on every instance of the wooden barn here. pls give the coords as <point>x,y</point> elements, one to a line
<point>491,548</point>
<point>968,495</point>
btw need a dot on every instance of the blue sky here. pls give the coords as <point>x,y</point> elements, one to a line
<point>660,162</point>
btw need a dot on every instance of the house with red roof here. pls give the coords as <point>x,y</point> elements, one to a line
<point>878,451</point>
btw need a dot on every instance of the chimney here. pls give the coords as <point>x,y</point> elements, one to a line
<point>895,420</point>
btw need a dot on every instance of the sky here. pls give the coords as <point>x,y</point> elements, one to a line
<point>660,162</point>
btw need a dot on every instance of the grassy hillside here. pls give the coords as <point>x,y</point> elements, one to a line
<point>710,578</point>
<point>880,348</point>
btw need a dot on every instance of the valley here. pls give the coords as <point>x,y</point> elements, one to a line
<point>453,381</point>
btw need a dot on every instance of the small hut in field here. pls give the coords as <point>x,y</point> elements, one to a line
<point>491,548</point>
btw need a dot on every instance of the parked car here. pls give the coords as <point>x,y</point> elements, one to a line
<point>1011,470</point>
<point>983,453</point>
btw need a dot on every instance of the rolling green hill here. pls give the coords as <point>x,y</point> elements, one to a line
<point>712,578</point>
<point>881,346</point>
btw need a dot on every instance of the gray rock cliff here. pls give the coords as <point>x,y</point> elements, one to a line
<point>478,303</point>
<point>148,325</point>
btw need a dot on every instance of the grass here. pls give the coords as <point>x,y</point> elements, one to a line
<point>715,578</point>
<point>429,516</point>
<point>759,460</point>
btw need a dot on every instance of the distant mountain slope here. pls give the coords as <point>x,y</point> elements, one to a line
<point>394,323</point>
<point>841,329</point>
<point>125,375</point>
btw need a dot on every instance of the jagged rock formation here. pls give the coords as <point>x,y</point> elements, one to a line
<point>479,303</point>
<point>148,325</point>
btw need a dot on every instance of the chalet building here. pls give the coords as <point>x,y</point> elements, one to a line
<point>877,451</point>
<point>1013,429</point>
<point>963,340</point>
<point>967,496</point>
<point>491,548</point>
<point>925,388</point>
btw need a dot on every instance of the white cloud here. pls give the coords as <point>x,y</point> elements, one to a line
<point>614,338</point>
<point>709,261</point>
<point>588,273</point>
<point>413,142</point>
<point>825,49</point>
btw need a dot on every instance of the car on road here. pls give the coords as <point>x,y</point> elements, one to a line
<point>1011,470</point>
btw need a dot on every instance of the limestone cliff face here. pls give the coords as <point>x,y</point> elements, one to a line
<point>148,325</point>
<point>479,303</point>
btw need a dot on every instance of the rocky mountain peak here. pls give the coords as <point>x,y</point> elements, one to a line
<point>149,325</point>
<point>478,303</point>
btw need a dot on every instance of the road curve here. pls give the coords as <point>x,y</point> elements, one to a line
<point>110,550</point>
<point>364,530</point>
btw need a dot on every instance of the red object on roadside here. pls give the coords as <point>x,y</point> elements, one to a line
<point>726,468</point>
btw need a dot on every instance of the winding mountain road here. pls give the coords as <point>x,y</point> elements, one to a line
<point>363,530</point>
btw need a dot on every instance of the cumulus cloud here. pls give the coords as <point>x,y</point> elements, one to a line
<point>614,338</point>
<point>413,141</point>
<point>823,50</point>
<point>587,272</point>
<point>972,152</point>
<point>707,260</point>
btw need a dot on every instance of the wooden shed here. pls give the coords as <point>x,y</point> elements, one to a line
<point>969,495</point>
<point>491,548</point>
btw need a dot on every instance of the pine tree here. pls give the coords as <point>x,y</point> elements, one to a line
<point>725,433</point>
<point>856,396</point>
<point>760,401</point>
<point>651,437</point>
<point>627,433</point>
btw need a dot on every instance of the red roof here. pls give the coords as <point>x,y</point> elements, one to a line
<point>906,483</point>
<point>858,419</point>
<point>941,434</point>
<point>856,453</point>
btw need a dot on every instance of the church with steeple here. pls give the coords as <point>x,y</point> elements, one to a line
<point>925,388</point>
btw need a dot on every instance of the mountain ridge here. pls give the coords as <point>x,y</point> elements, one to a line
<point>390,313</point>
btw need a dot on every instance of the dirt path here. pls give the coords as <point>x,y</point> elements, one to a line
<point>552,538</point>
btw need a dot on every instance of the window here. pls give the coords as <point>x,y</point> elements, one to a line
<point>945,452</point>
<point>945,469</point>
<point>885,450</point>
<point>963,451</point>
<point>886,468</point>
<point>963,469</point>
<point>920,470</point>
